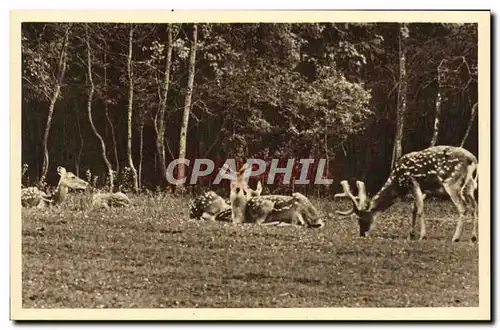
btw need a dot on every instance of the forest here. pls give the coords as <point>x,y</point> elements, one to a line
<point>116,103</point>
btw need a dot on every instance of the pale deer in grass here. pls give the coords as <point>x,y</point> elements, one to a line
<point>453,169</point>
<point>34,197</point>
<point>107,200</point>
<point>270,210</point>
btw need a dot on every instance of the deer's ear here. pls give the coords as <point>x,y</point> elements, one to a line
<point>61,170</point>
<point>259,188</point>
<point>243,169</point>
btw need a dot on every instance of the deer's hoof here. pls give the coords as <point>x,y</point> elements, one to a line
<point>455,240</point>
<point>411,236</point>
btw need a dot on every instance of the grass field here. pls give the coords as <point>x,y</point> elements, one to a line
<point>151,256</point>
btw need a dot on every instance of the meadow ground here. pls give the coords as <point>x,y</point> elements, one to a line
<point>151,256</point>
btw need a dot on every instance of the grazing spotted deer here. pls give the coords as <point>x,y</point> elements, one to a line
<point>270,210</point>
<point>211,206</point>
<point>34,197</point>
<point>440,167</point>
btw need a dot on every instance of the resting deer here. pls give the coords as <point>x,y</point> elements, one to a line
<point>440,167</point>
<point>211,206</point>
<point>269,210</point>
<point>108,200</point>
<point>34,197</point>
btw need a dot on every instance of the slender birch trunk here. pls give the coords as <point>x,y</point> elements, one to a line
<point>106,110</point>
<point>435,132</point>
<point>159,120</point>
<point>398,137</point>
<point>471,121</point>
<point>130,109</point>
<point>187,103</point>
<point>89,111</point>
<point>61,69</point>
<point>141,147</point>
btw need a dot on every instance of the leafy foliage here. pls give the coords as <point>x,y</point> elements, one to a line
<point>318,90</point>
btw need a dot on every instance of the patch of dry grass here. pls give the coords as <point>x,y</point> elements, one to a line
<point>150,255</point>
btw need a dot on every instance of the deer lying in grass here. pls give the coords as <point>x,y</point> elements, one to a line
<point>34,197</point>
<point>211,206</point>
<point>269,210</point>
<point>446,167</point>
<point>108,200</point>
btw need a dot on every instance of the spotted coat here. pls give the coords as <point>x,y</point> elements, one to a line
<point>34,197</point>
<point>430,168</point>
<point>209,202</point>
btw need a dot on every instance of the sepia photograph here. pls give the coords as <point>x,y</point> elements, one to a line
<point>295,165</point>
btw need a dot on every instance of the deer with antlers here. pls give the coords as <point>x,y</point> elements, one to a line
<point>452,169</point>
<point>270,210</point>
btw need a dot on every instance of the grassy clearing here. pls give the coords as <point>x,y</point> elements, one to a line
<point>151,256</point>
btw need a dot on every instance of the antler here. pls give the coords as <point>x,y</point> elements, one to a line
<point>358,202</point>
<point>361,194</point>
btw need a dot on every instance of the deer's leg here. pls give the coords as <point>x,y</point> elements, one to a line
<point>208,216</point>
<point>294,218</point>
<point>472,204</point>
<point>457,198</point>
<point>261,218</point>
<point>411,235</point>
<point>273,223</point>
<point>286,224</point>
<point>418,211</point>
<point>297,219</point>
<point>41,204</point>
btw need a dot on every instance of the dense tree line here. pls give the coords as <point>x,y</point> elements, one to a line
<point>121,101</point>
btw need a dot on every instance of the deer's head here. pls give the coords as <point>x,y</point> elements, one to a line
<point>310,213</point>
<point>70,180</point>
<point>360,206</point>
<point>239,184</point>
<point>241,192</point>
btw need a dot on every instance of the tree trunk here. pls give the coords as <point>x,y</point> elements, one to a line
<point>471,121</point>
<point>159,120</point>
<point>187,103</point>
<point>80,150</point>
<point>89,111</point>
<point>398,137</point>
<point>327,159</point>
<point>130,109</point>
<point>435,132</point>
<point>110,123</point>
<point>61,69</point>
<point>141,145</point>
<point>437,117</point>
